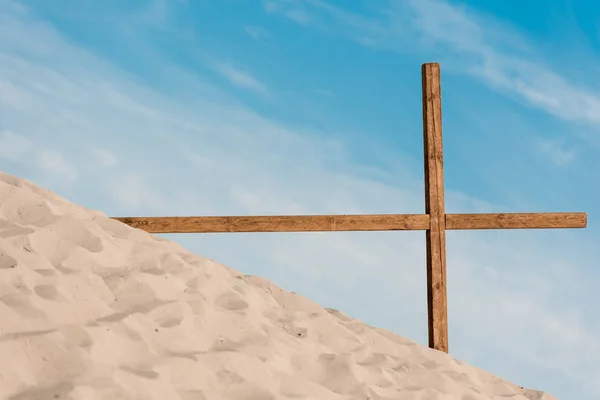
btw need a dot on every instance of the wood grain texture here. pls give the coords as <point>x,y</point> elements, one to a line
<point>279,223</point>
<point>437,310</point>
<point>367,222</point>
<point>516,221</point>
<point>435,222</point>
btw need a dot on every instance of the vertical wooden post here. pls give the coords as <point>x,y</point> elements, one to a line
<point>437,311</point>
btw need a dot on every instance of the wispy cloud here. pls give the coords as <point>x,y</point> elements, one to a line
<point>241,78</point>
<point>158,13</point>
<point>106,158</point>
<point>13,147</point>
<point>256,32</point>
<point>558,152</point>
<point>497,59</point>
<point>52,161</point>
<point>292,9</point>
<point>475,44</point>
<point>16,148</point>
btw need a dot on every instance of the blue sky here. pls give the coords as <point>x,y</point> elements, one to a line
<point>239,107</point>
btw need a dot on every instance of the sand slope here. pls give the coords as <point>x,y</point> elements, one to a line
<point>92,309</point>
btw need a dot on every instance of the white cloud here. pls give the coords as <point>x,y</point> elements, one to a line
<point>509,299</point>
<point>557,151</point>
<point>20,149</point>
<point>131,191</point>
<point>105,158</point>
<point>292,9</point>
<point>240,78</point>
<point>472,43</point>
<point>52,162</point>
<point>156,12</point>
<point>256,32</point>
<point>502,64</point>
<point>14,147</point>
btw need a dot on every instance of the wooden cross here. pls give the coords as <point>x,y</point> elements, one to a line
<point>435,221</point>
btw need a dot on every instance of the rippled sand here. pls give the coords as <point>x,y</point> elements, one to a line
<point>93,309</point>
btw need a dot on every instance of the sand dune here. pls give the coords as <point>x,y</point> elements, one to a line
<point>93,309</point>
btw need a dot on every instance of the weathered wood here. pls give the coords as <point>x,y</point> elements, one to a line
<point>434,221</point>
<point>280,223</point>
<point>367,222</point>
<point>516,221</point>
<point>434,206</point>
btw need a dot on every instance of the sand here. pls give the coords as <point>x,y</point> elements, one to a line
<point>93,309</point>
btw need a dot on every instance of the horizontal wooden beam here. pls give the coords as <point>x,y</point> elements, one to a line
<point>333,223</point>
<point>516,221</point>
<point>280,223</point>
